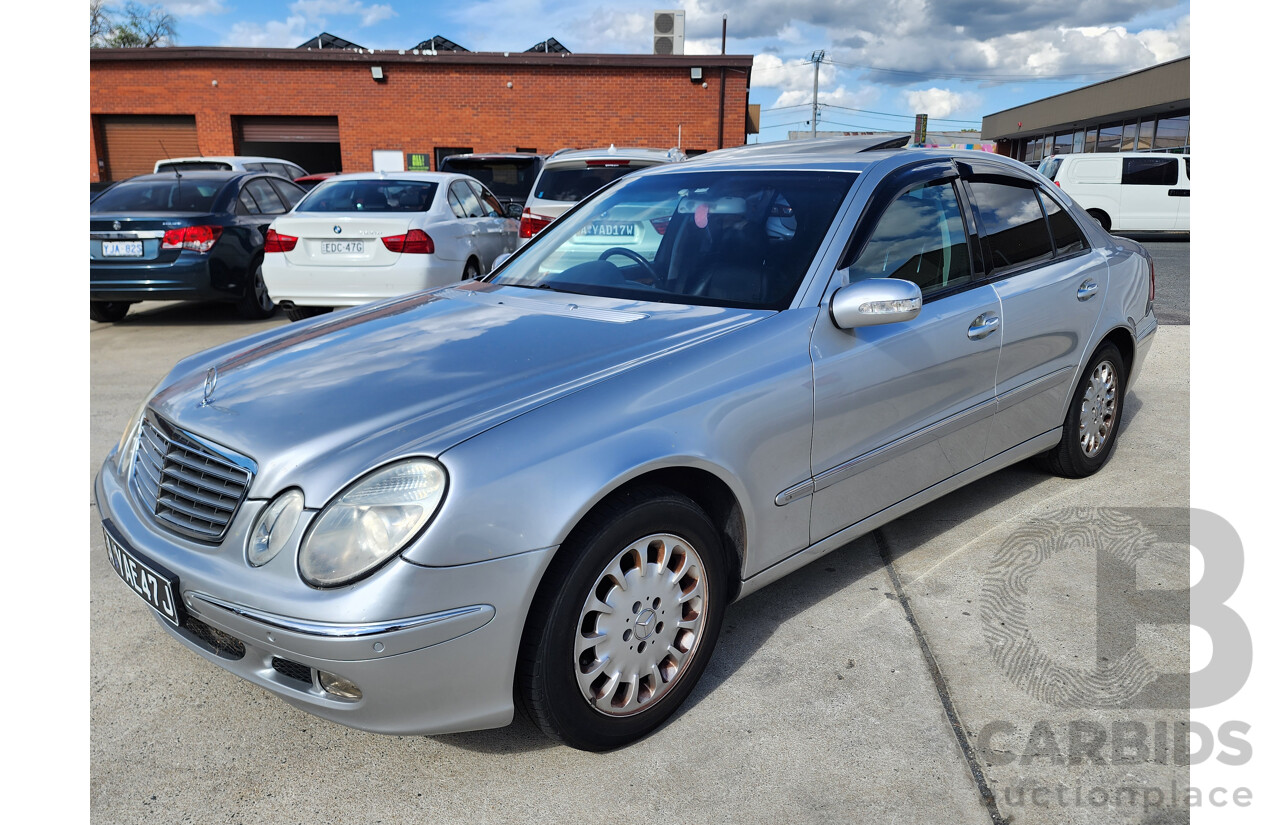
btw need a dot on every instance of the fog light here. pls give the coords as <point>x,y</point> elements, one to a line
<point>338,686</point>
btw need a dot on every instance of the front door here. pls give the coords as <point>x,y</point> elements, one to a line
<point>900,407</point>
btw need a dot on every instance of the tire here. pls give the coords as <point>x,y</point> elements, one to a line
<point>1092,424</point>
<point>105,312</point>
<point>594,682</point>
<point>297,313</point>
<point>471,270</point>
<point>1102,218</point>
<point>256,303</point>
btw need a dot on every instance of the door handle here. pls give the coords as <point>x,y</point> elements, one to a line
<point>1087,290</point>
<point>983,326</point>
<point>1179,193</point>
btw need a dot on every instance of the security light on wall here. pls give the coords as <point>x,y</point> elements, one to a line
<point>695,74</point>
<point>377,73</point>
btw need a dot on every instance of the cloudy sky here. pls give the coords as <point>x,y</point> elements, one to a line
<point>887,59</point>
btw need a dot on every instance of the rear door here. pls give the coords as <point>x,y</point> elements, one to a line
<point>496,233</point>
<point>1051,289</point>
<point>900,407</point>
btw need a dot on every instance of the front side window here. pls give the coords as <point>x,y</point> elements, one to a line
<point>1012,222</point>
<point>921,238</point>
<point>369,196</point>
<point>714,238</point>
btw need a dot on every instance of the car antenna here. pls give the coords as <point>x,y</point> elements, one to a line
<point>169,158</point>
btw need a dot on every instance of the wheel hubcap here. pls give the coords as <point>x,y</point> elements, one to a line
<point>640,625</point>
<point>1098,409</point>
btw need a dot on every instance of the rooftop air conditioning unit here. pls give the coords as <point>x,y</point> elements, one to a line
<point>668,32</point>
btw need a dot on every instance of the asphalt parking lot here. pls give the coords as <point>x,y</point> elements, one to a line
<point>871,685</point>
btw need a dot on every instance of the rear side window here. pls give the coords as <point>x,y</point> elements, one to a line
<point>268,201</point>
<point>1066,234</point>
<point>291,192</point>
<point>1013,224</point>
<point>369,196</point>
<point>175,195</point>
<point>920,237</point>
<point>1152,171</point>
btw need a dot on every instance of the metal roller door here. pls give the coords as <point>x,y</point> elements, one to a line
<point>134,143</point>
<point>309,141</point>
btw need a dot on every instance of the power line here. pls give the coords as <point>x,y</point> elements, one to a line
<point>889,114</point>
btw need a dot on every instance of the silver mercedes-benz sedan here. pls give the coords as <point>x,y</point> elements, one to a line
<point>545,486</point>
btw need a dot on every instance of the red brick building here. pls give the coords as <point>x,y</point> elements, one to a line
<point>329,110</point>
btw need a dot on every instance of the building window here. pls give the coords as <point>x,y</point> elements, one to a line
<point>1173,134</point>
<point>1062,144</point>
<point>1146,136</point>
<point>1091,141</point>
<point>1129,137</point>
<point>1077,142</point>
<point>1109,138</point>
<point>530,151</point>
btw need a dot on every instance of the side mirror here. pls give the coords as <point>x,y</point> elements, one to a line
<point>875,301</point>
<point>500,260</point>
<point>515,210</point>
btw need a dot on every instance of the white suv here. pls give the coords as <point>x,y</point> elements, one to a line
<point>236,163</point>
<point>570,175</point>
<point>1127,191</point>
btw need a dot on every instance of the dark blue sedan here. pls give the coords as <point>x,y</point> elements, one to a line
<point>188,236</point>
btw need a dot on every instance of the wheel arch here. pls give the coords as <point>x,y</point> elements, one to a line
<point>1124,341</point>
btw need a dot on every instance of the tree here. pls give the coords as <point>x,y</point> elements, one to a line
<point>136,26</point>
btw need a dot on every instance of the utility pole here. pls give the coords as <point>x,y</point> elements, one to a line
<point>816,59</point>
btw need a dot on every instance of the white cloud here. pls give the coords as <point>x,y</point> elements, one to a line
<point>937,103</point>
<point>272,34</point>
<point>841,97</point>
<point>772,71</point>
<point>195,8</point>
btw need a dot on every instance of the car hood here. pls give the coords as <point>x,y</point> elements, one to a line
<point>318,404</point>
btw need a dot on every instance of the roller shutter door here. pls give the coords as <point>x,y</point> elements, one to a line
<point>135,142</point>
<point>288,129</point>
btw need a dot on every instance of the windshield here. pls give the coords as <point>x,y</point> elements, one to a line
<point>194,166</point>
<point>567,183</point>
<point>369,196</point>
<point>505,177</point>
<point>716,238</point>
<point>170,195</point>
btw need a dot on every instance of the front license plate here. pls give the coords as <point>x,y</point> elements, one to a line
<point>610,229</point>
<point>157,586</point>
<point>122,249</point>
<point>342,247</point>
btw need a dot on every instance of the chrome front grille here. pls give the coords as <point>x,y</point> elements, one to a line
<point>191,488</point>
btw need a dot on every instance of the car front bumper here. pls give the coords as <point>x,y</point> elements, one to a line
<point>440,660</point>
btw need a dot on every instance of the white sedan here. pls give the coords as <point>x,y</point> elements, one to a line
<point>362,237</point>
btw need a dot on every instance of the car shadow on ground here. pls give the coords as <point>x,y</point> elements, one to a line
<point>186,313</point>
<point>751,622</point>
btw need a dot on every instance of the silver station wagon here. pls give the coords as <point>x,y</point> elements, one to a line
<point>545,486</point>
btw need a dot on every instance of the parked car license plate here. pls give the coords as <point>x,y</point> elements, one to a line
<point>341,247</point>
<point>610,229</point>
<point>122,249</point>
<point>157,586</point>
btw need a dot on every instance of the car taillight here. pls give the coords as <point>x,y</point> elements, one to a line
<point>531,224</point>
<point>413,242</point>
<point>279,243</point>
<point>660,224</point>
<point>1151,293</point>
<point>1055,183</point>
<point>195,238</point>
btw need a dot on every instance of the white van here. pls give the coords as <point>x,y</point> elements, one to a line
<point>1127,191</point>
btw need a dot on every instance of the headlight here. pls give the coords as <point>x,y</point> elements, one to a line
<point>371,521</point>
<point>274,526</point>
<point>129,438</point>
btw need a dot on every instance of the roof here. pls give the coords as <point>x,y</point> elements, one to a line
<point>832,157</point>
<point>227,159</point>
<point>840,146</point>
<point>436,177</point>
<point>606,152</point>
<point>493,156</point>
<point>189,54</point>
